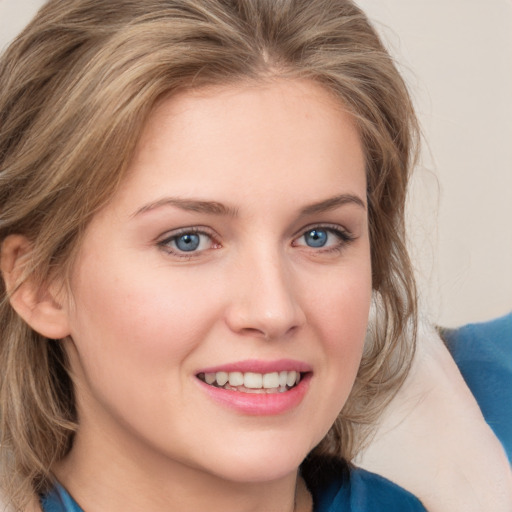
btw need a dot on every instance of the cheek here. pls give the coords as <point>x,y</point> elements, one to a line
<point>347,314</point>
<point>341,318</point>
<point>138,322</point>
<point>344,335</point>
<point>133,336</point>
<point>338,316</point>
<point>341,307</point>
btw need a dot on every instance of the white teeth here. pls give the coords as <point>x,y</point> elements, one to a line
<point>236,379</point>
<point>221,378</point>
<point>252,381</point>
<point>271,380</point>
<point>209,378</point>
<point>290,380</point>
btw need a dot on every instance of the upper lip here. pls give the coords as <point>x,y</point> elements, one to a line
<point>259,366</point>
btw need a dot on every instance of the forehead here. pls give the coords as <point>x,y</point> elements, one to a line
<point>250,136</point>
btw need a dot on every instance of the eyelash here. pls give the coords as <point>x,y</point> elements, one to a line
<point>165,244</point>
<point>344,236</point>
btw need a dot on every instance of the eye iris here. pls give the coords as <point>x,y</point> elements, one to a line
<point>188,242</point>
<point>316,238</point>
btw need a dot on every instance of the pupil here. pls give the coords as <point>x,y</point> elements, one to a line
<point>316,238</point>
<point>189,242</point>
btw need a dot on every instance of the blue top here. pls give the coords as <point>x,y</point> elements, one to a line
<point>339,489</point>
<point>58,500</point>
<point>483,353</point>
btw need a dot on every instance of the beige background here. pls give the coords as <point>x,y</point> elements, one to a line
<point>457,58</point>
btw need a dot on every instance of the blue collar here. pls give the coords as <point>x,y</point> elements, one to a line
<point>59,500</point>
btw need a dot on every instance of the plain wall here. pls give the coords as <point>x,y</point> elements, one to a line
<point>456,56</point>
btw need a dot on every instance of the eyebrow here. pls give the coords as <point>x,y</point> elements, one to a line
<point>216,208</point>
<point>332,203</point>
<point>191,205</point>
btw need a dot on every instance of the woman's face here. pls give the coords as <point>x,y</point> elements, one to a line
<point>236,249</point>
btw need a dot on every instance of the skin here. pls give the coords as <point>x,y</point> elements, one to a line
<point>141,318</point>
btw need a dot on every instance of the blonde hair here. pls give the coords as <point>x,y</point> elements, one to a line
<point>75,90</point>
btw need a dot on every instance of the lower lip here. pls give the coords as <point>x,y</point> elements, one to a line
<point>259,404</point>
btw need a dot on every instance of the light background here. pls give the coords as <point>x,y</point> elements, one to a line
<point>456,56</point>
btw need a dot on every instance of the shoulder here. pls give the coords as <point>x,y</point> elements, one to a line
<point>369,491</point>
<point>338,487</point>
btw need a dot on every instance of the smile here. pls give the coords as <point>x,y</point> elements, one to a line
<point>252,382</point>
<point>257,387</point>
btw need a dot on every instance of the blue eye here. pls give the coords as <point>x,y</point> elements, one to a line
<point>187,242</point>
<point>324,239</point>
<point>316,237</point>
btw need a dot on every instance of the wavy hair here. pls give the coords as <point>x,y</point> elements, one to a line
<point>76,88</point>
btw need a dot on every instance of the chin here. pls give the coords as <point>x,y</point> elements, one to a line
<point>258,471</point>
<point>257,461</point>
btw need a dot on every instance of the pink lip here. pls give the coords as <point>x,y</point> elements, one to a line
<point>264,404</point>
<point>260,404</point>
<point>259,366</point>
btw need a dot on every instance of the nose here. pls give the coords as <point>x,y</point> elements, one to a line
<point>265,300</point>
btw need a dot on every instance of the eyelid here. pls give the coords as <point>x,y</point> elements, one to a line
<point>165,239</point>
<point>336,228</point>
<point>345,236</point>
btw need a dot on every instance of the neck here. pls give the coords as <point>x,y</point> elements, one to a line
<point>114,478</point>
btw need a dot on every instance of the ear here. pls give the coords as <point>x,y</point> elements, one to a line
<point>37,305</point>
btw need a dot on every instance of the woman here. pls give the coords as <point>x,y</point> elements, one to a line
<point>199,203</point>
